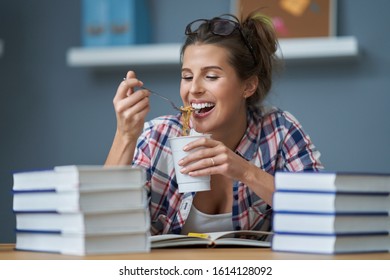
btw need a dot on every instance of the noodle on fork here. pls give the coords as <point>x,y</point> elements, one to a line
<point>186,116</point>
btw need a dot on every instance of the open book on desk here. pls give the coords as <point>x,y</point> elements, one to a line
<point>244,238</point>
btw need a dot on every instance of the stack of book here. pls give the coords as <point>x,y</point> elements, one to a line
<point>81,210</point>
<point>331,213</point>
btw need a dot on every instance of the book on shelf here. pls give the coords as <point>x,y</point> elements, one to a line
<point>244,238</point>
<point>78,222</point>
<point>79,201</point>
<point>80,177</point>
<point>333,181</point>
<point>323,202</point>
<point>83,244</point>
<point>314,223</point>
<point>330,243</point>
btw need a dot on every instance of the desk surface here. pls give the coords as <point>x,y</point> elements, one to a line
<point>7,252</point>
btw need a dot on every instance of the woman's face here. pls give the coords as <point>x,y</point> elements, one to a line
<point>211,86</point>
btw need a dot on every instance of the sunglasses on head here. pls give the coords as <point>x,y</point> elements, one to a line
<point>221,27</point>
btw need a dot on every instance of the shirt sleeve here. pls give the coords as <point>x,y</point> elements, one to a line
<point>142,151</point>
<point>297,149</point>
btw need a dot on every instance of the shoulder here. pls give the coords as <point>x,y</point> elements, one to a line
<point>275,118</point>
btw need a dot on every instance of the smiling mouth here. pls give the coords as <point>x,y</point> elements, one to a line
<point>201,108</point>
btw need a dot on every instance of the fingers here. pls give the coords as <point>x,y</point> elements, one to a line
<point>126,87</point>
<point>136,101</point>
<point>126,99</point>
<point>206,166</point>
<point>202,142</point>
<point>131,106</point>
<point>211,155</point>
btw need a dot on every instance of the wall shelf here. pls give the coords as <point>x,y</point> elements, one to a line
<point>168,54</point>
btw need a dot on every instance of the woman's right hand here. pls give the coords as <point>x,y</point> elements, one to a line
<point>131,108</point>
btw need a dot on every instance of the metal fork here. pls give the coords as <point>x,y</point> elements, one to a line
<point>163,97</point>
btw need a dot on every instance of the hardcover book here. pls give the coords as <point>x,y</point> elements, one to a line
<point>317,202</point>
<point>79,201</point>
<point>330,243</point>
<point>83,244</point>
<point>84,223</point>
<point>333,181</point>
<point>80,177</point>
<point>293,222</point>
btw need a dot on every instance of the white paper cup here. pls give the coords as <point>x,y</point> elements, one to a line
<point>187,183</point>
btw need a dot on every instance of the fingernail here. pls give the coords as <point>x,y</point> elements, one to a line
<point>180,162</point>
<point>185,148</point>
<point>183,170</point>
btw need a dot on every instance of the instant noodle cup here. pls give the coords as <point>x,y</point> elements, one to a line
<point>186,182</point>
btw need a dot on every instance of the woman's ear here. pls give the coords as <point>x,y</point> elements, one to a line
<point>250,86</point>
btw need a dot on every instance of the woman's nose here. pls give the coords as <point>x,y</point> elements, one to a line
<point>196,87</point>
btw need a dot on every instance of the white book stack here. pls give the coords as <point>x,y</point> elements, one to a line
<point>331,213</point>
<point>82,210</point>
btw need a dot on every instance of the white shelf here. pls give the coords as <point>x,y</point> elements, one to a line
<point>169,54</point>
<point>312,48</point>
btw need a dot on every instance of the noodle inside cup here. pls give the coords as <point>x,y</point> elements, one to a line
<point>187,183</point>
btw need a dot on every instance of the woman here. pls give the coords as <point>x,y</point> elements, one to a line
<point>226,74</point>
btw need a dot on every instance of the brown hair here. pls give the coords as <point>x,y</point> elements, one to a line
<point>259,33</point>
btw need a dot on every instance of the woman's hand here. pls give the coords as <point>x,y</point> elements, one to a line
<point>131,107</point>
<point>213,157</point>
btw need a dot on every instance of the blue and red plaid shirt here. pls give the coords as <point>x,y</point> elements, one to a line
<point>274,140</point>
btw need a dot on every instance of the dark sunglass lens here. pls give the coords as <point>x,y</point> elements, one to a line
<point>194,26</point>
<point>223,27</point>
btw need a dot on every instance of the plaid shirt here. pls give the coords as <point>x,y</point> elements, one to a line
<point>274,140</point>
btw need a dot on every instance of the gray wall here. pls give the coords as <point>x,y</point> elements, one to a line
<point>51,114</point>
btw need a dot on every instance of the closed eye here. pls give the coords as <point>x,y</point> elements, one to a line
<point>213,78</point>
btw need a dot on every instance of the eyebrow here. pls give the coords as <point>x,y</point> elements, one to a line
<point>205,68</point>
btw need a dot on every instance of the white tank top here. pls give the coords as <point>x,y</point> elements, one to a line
<point>198,221</point>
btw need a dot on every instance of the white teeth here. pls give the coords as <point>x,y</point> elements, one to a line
<point>198,106</point>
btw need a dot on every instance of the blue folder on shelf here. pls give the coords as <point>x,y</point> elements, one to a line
<point>95,23</point>
<point>129,22</point>
<point>115,22</point>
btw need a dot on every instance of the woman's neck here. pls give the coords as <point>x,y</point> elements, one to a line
<point>231,136</point>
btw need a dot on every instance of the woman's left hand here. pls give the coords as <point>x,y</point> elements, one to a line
<point>212,157</point>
